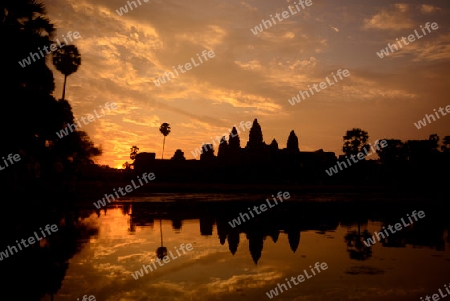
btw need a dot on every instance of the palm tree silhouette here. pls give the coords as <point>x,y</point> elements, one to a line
<point>161,252</point>
<point>134,151</point>
<point>355,244</point>
<point>25,25</point>
<point>66,59</point>
<point>165,130</point>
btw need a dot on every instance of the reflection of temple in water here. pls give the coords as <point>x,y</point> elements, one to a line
<point>256,231</point>
<point>46,265</point>
<point>289,219</point>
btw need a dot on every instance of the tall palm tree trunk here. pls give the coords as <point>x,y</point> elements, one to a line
<point>160,229</point>
<point>64,87</point>
<point>164,142</point>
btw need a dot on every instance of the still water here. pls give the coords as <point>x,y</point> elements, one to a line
<point>246,262</point>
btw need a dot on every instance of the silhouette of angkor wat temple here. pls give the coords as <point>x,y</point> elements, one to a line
<point>256,162</point>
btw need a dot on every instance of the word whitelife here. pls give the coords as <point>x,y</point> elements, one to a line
<point>10,158</point>
<point>398,227</point>
<point>421,123</point>
<point>262,207</point>
<point>323,86</point>
<point>140,273</point>
<point>124,9</point>
<point>300,279</point>
<point>199,151</point>
<point>284,15</point>
<point>27,61</point>
<point>30,240</point>
<point>90,118</point>
<point>188,67</point>
<point>128,189</point>
<point>360,156</point>
<point>85,298</point>
<point>411,38</point>
<point>436,296</point>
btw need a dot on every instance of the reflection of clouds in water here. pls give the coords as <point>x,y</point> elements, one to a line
<point>126,258</point>
<point>364,270</point>
<point>210,272</point>
<point>111,270</point>
<point>102,251</point>
<point>245,281</point>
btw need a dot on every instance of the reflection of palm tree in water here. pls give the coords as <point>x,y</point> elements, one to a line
<point>355,244</point>
<point>161,252</point>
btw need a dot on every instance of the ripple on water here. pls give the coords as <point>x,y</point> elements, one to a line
<point>364,270</point>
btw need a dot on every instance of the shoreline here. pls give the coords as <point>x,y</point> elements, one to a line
<point>84,194</point>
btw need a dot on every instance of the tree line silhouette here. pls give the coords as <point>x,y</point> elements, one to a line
<point>398,162</point>
<point>35,114</point>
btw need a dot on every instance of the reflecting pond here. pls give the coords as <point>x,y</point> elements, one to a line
<point>249,260</point>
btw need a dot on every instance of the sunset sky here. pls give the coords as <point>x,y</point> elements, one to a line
<point>253,76</point>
